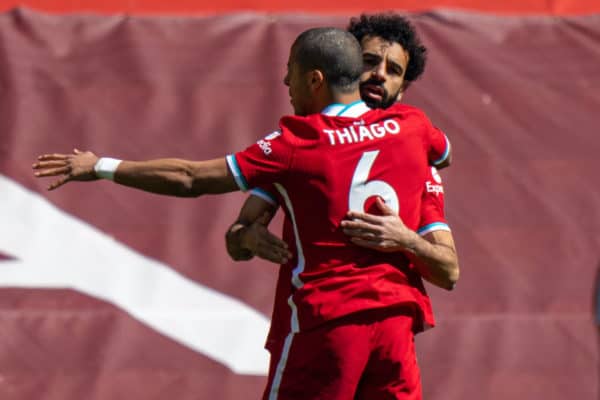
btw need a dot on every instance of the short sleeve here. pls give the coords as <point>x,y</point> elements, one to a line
<point>438,145</point>
<point>432,205</point>
<point>263,163</point>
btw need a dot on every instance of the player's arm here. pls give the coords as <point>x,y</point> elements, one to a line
<point>440,153</point>
<point>447,159</point>
<point>173,177</point>
<point>434,254</point>
<point>439,150</point>
<point>260,165</point>
<point>249,235</point>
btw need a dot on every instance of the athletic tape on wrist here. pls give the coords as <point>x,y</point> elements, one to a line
<point>105,168</point>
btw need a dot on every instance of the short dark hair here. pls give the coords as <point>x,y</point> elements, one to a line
<point>334,52</point>
<point>393,28</point>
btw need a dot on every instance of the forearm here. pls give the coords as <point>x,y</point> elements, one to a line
<point>175,177</point>
<point>436,261</point>
<point>169,176</point>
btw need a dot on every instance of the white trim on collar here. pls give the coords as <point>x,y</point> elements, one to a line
<point>352,110</point>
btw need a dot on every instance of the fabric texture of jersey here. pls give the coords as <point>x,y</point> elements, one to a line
<point>432,219</point>
<point>323,165</point>
<point>381,365</point>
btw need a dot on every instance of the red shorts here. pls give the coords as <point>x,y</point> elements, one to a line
<point>360,357</point>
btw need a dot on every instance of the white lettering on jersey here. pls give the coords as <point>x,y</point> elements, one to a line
<point>391,126</point>
<point>56,250</point>
<point>433,188</point>
<point>437,187</point>
<point>365,133</point>
<point>369,132</point>
<point>264,144</point>
<point>265,147</point>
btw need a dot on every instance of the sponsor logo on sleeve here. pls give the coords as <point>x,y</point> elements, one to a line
<point>436,186</point>
<point>265,144</point>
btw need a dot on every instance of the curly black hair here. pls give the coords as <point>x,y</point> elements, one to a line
<point>393,28</point>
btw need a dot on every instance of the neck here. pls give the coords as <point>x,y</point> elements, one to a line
<point>324,98</point>
<point>335,98</point>
<point>345,98</point>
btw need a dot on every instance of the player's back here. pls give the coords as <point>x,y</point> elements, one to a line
<point>324,165</point>
<point>343,163</point>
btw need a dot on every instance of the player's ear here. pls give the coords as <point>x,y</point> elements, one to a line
<point>316,79</point>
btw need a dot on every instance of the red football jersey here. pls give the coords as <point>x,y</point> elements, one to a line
<point>325,164</point>
<point>432,219</point>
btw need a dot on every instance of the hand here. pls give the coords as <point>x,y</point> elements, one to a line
<point>257,239</point>
<point>386,233</point>
<point>78,166</point>
<point>233,245</point>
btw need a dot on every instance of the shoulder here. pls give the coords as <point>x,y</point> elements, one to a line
<point>297,120</point>
<point>413,116</point>
<point>407,110</point>
<point>402,112</point>
<point>402,107</point>
<point>301,127</point>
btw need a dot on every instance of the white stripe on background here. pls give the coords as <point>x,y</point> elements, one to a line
<point>55,250</point>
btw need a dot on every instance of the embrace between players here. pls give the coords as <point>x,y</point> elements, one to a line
<point>354,172</point>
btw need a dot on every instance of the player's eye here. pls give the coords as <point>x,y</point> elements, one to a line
<point>370,61</point>
<point>395,69</point>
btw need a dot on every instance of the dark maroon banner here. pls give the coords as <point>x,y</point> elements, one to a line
<point>107,293</point>
<point>186,7</point>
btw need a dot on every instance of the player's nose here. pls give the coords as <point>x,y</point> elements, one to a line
<point>379,72</point>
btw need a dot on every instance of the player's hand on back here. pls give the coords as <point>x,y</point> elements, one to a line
<point>233,243</point>
<point>246,241</point>
<point>257,239</point>
<point>386,232</point>
<point>78,166</point>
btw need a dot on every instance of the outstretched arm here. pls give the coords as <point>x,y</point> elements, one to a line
<point>173,177</point>
<point>434,255</point>
<point>249,236</point>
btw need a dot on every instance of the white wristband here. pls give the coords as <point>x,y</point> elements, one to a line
<point>105,168</point>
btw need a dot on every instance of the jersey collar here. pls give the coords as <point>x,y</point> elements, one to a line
<point>352,110</point>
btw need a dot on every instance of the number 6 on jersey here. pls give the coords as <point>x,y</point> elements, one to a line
<point>361,190</point>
